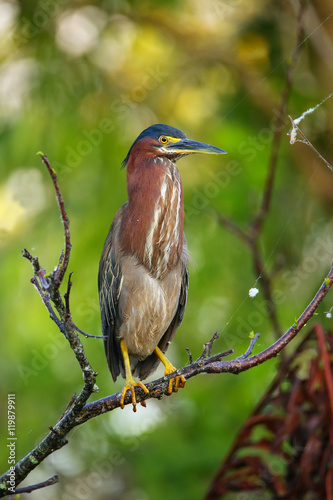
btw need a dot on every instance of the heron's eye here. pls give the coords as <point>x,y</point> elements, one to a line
<point>164,139</point>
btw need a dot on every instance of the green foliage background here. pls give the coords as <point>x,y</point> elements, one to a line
<point>79,81</point>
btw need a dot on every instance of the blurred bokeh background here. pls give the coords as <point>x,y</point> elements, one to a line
<point>79,81</point>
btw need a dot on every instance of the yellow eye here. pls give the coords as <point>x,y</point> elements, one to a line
<point>164,139</point>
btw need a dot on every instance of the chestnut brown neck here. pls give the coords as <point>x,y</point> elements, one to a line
<point>153,222</point>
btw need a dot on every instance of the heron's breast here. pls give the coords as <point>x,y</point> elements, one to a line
<point>147,306</point>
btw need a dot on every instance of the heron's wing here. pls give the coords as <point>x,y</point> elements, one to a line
<point>109,286</point>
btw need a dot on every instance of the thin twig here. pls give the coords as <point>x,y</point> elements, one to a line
<point>46,300</point>
<point>217,357</point>
<point>249,350</point>
<point>64,258</point>
<point>208,347</point>
<point>190,357</point>
<point>38,270</point>
<point>28,489</point>
<point>34,260</point>
<point>87,335</point>
<point>68,312</point>
<point>293,139</point>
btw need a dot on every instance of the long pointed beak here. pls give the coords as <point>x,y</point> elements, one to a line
<point>187,146</point>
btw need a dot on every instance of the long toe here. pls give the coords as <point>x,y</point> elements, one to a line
<point>179,383</point>
<point>182,381</point>
<point>130,386</point>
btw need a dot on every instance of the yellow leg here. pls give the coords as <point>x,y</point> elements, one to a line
<point>130,383</point>
<point>169,368</point>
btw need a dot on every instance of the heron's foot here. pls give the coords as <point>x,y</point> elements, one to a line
<point>175,382</point>
<point>130,386</point>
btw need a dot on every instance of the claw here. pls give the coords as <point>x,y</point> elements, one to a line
<point>176,382</point>
<point>130,386</point>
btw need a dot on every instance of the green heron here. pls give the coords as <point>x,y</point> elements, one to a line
<point>143,271</point>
